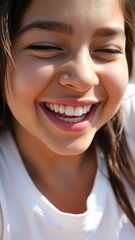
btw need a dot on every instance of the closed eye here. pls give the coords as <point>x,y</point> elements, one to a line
<point>106,54</point>
<point>45,51</point>
<point>108,50</point>
<point>43,47</point>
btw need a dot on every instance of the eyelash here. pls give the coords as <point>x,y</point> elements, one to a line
<point>108,50</point>
<point>43,47</point>
<point>45,51</point>
<point>50,51</point>
<point>106,54</point>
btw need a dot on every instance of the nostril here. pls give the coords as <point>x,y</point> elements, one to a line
<point>69,85</point>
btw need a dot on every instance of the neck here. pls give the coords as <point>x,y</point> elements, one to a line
<point>55,175</point>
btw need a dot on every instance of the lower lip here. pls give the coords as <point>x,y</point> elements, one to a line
<point>72,127</point>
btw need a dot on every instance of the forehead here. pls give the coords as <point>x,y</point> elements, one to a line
<point>74,11</point>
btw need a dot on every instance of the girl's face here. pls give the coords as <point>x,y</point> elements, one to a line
<point>70,74</point>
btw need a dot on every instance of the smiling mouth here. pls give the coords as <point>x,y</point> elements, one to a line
<point>68,114</point>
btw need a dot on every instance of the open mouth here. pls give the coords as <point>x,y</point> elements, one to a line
<point>67,114</point>
<point>69,117</point>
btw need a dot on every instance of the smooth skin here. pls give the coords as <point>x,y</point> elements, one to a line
<point>84,62</point>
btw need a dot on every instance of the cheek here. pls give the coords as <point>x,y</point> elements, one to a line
<point>28,79</point>
<point>115,79</point>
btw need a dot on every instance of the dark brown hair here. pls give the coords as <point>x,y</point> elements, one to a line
<point>114,146</point>
<point>11,12</point>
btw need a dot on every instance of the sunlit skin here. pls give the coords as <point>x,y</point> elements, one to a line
<point>84,63</point>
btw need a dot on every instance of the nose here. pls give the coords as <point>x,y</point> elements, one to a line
<point>79,74</point>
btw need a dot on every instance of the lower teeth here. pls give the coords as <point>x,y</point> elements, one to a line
<point>71,120</point>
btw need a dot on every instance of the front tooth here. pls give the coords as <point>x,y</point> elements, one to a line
<point>56,108</point>
<point>78,111</point>
<point>69,111</point>
<point>61,109</point>
<point>84,109</point>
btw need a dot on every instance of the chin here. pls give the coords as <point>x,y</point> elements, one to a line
<point>76,147</point>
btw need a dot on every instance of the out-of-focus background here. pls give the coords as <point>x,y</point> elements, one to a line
<point>133,75</point>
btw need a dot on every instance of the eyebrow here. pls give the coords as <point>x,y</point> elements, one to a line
<point>49,26</point>
<point>109,32</point>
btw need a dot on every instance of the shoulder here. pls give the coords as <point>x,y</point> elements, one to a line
<point>129,95</point>
<point>7,150</point>
<point>7,145</point>
<point>129,98</point>
<point>129,118</point>
<point>8,156</point>
<point>129,108</point>
<point>130,91</point>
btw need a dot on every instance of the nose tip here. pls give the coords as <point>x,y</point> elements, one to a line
<point>80,84</point>
<point>79,75</point>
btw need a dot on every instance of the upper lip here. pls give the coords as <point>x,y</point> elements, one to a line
<point>73,102</point>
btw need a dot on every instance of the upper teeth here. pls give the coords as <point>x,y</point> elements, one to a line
<point>69,110</point>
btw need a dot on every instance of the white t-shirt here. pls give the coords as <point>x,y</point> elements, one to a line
<point>25,214</point>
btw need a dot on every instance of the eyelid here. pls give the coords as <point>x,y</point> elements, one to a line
<point>46,50</point>
<point>40,46</point>
<point>108,50</point>
<point>107,53</point>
